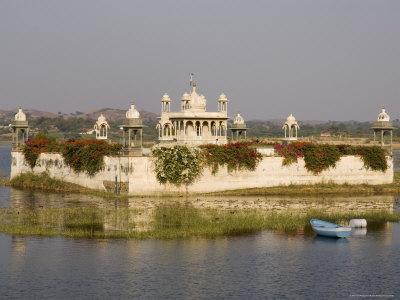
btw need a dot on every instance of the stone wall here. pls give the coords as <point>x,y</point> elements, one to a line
<point>136,174</point>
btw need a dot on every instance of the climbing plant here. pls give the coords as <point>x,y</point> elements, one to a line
<point>374,157</point>
<point>235,156</point>
<point>39,144</point>
<point>177,164</point>
<point>87,155</point>
<point>290,153</point>
<point>318,158</point>
<point>321,157</point>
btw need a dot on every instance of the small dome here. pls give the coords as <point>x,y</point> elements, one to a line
<point>291,121</point>
<point>185,97</point>
<point>222,97</point>
<point>238,119</point>
<point>101,119</point>
<point>132,113</point>
<point>166,98</point>
<point>291,118</point>
<point>383,116</point>
<point>20,116</point>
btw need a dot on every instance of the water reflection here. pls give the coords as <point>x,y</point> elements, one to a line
<point>18,244</point>
<point>396,161</point>
<point>38,213</point>
<point>329,240</point>
<point>37,199</point>
<point>358,231</point>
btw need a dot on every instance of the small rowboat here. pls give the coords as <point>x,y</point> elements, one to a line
<point>329,229</point>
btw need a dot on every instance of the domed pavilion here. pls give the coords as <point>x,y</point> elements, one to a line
<point>238,128</point>
<point>193,124</point>
<point>132,132</point>
<point>383,127</point>
<point>20,129</point>
<point>101,128</point>
<point>291,127</point>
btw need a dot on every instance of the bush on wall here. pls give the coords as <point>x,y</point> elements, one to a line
<point>81,155</point>
<point>234,155</point>
<point>39,144</point>
<point>374,157</point>
<point>177,164</point>
<point>321,157</point>
<point>87,155</point>
<point>183,165</point>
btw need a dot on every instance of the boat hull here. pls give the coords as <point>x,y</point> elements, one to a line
<point>328,229</point>
<point>334,232</point>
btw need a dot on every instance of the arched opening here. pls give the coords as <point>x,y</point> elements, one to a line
<point>213,129</point>
<point>198,129</point>
<point>205,129</point>
<point>190,129</point>
<point>167,130</point>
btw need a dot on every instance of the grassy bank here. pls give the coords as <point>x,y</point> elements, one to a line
<point>46,183</point>
<point>170,222</point>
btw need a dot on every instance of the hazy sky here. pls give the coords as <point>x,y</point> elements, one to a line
<point>321,60</point>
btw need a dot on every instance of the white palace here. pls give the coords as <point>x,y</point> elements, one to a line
<point>193,124</point>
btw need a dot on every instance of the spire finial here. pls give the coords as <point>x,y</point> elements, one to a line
<point>133,102</point>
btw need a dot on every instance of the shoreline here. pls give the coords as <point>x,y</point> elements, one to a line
<point>45,183</point>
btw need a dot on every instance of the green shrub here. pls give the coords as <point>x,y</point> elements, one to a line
<point>177,165</point>
<point>374,158</point>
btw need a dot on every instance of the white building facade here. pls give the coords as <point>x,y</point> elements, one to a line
<point>193,124</point>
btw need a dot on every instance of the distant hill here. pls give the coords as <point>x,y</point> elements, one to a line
<point>114,115</point>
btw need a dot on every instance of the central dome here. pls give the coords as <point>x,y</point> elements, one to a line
<point>197,102</point>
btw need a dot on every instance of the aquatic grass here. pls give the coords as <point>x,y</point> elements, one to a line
<point>4,182</point>
<point>171,222</point>
<point>44,181</point>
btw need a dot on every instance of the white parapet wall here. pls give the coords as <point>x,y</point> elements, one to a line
<point>137,174</point>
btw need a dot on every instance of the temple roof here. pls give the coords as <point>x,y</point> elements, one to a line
<point>383,116</point>
<point>132,113</point>
<point>290,121</point>
<point>20,115</point>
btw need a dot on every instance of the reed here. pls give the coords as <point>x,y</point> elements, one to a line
<point>170,222</point>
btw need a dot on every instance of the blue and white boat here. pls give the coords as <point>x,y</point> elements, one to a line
<point>329,229</point>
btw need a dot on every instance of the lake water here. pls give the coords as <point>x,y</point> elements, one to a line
<point>266,265</point>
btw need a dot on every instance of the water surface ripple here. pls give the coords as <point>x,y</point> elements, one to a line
<point>264,265</point>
